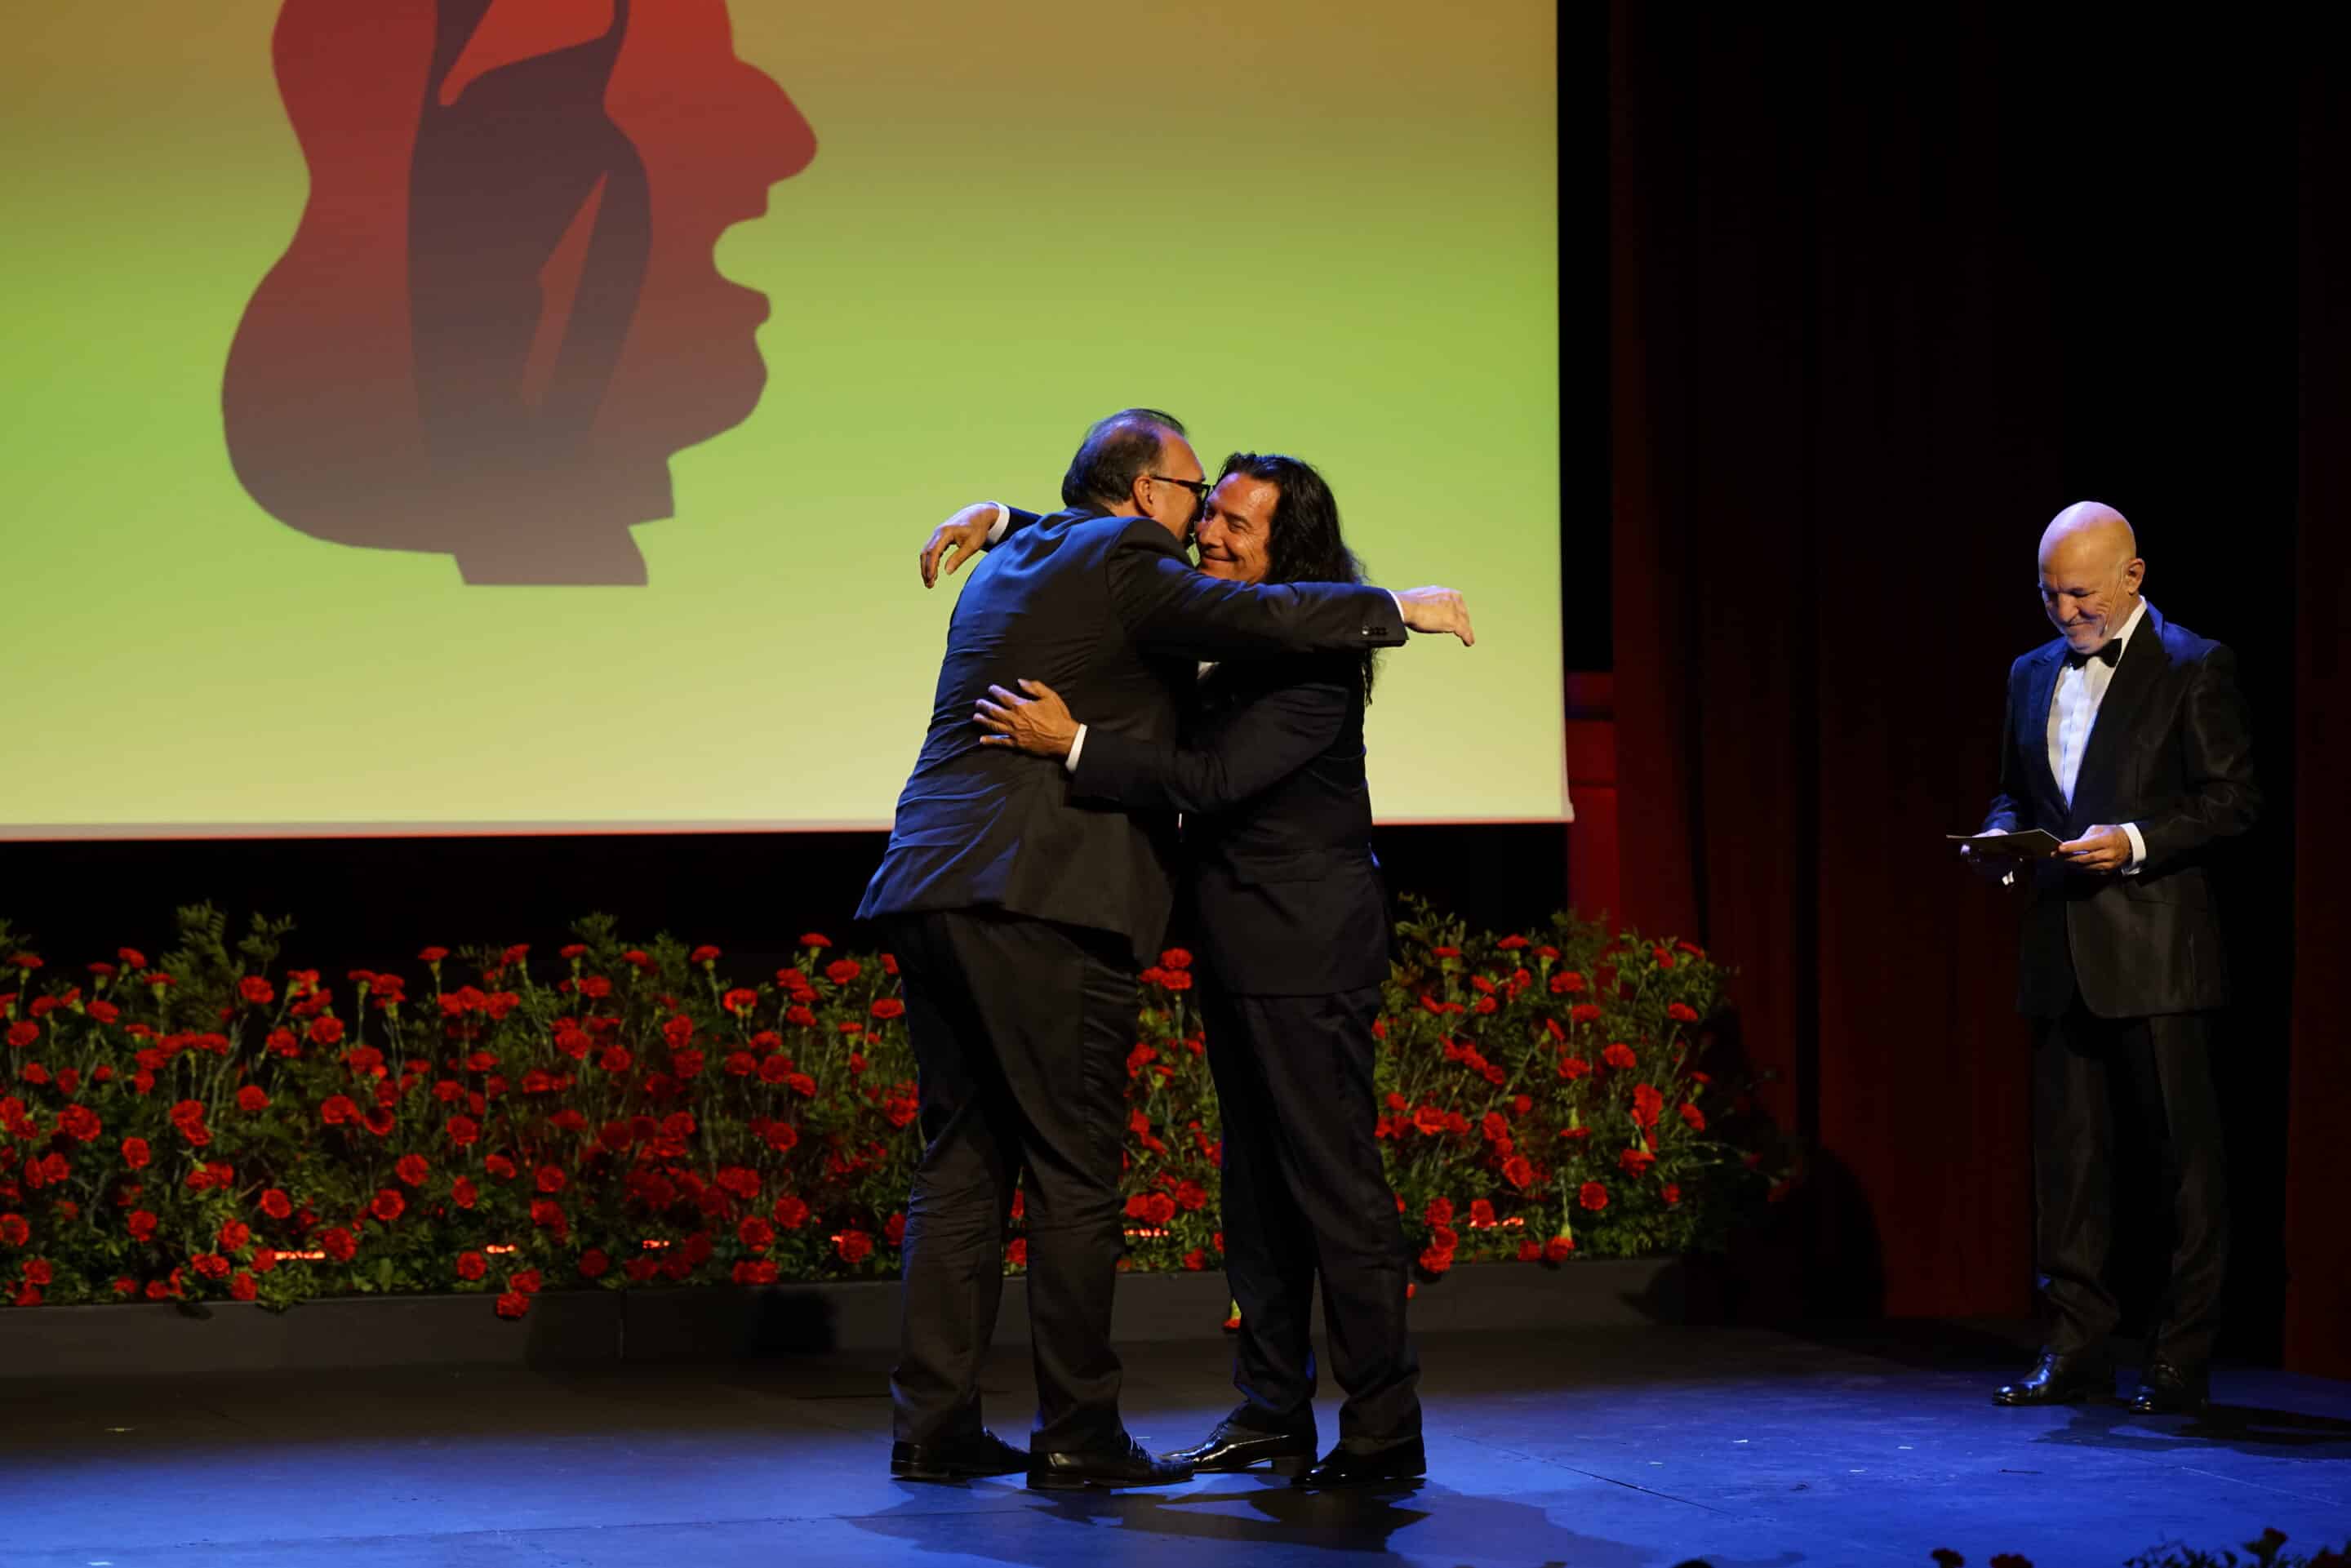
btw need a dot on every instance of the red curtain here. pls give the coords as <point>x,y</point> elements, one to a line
<point>1883,299</point>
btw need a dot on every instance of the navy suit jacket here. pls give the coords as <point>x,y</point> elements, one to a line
<point>1109,611</point>
<point>2172,751</point>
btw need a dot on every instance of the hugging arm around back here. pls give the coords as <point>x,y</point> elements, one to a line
<point>1274,735</point>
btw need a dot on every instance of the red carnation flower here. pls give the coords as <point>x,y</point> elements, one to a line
<point>1619,1055</point>
<point>1016,1252</point>
<point>22,1034</point>
<point>894,1230</point>
<point>1584,1012</point>
<point>1573,1068</point>
<point>411,1169</point>
<point>1482,1215</point>
<point>757,1234</point>
<point>80,1123</point>
<point>889,1007</point>
<point>1635,1162</point>
<point>1694,1116</point>
<point>548,1215</point>
<point>463,1131</point>
<point>338,1109</point>
<point>1556,1249</point>
<point>326,1031</point>
<point>1567,982</point>
<point>513,1304</point>
<point>1647,1105</point>
<point>1672,1193</point>
<point>740,1001</point>
<point>15,1232</point>
<point>1592,1196</point>
<point>255,991</point>
<point>549,1178</point>
<point>706,954</point>
<point>499,1166</point>
<point>252,1098</point>
<point>338,1244</point>
<point>234,1236</point>
<point>389,1205</point>
<point>1519,1171</point>
<point>595,1264</point>
<point>1191,1196</point>
<point>141,1223</point>
<point>1176,958</point>
<point>462,1193</point>
<point>1681,1012</point>
<point>791,1212</point>
<point>855,1246</point>
<point>472,1265</point>
<point>276,1204</point>
<point>1435,1261</point>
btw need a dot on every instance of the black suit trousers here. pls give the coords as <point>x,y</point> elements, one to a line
<point>1305,1194</point>
<point>1020,1030</point>
<point>2087,1072</point>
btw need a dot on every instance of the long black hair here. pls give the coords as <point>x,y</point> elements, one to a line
<point>1303,543</point>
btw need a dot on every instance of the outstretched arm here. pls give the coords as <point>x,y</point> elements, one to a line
<point>1164,602</point>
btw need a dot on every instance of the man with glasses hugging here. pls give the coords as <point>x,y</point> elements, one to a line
<point>1293,926</point>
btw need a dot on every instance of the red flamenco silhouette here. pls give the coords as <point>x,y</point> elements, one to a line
<point>500,314</point>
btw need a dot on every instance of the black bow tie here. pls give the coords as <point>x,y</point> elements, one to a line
<point>2110,655</point>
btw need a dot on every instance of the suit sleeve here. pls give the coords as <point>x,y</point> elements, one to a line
<point>2011,799</point>
<point>1263,743</point>
<point>1165,604</point>
<point>2216,743</point>
<point>1015,519</point>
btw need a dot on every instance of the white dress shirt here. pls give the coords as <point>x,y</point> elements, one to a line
<point>2073,716</point>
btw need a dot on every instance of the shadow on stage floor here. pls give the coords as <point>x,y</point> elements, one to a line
<point>1616,1448</point>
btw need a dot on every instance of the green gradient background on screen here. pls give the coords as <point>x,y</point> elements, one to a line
<point>1335,236</point>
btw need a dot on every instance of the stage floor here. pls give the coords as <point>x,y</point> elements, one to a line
<point>1602,1449</point>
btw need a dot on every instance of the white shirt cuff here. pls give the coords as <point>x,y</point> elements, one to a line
<point>1399,604</point>
<point>1003,522</point>
<point>2138,850</point>
<point>1069,763</point>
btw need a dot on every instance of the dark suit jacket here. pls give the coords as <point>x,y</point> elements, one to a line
<point>1109,611</point>
<point>1276,821</point>
<point>2171,752</point>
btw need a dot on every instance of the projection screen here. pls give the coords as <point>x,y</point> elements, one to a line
<point>510,416</point>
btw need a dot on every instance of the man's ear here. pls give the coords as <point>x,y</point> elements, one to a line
<point>2134,574</point>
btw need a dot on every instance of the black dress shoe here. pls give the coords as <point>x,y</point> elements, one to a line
<point>2165,1390</point>
<point>1236,1445</point>
<point>956,1459</point>
<point>1129,1465</point>
<point>2060,1379</point>
<point>1404,1460</point>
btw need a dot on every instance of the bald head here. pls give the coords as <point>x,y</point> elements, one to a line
<point>2090,573</point>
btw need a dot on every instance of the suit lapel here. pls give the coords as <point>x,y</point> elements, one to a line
<point>2036,739</point>
<point>2140,670</point>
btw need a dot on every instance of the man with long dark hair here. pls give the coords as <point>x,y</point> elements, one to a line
<point>1017,913</point>
<point>1293,926</point>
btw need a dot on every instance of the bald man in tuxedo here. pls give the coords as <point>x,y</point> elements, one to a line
<point>2127,738</point>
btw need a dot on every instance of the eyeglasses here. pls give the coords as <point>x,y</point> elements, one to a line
<point>1199,487</point>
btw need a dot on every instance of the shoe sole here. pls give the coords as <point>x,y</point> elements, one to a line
<point>1085,1483</point>
<point>1358,1483</point>
<point>929,1473</point>
<point>1288,1464</point>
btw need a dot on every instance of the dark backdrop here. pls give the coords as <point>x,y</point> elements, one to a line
<point>1889,288</point>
